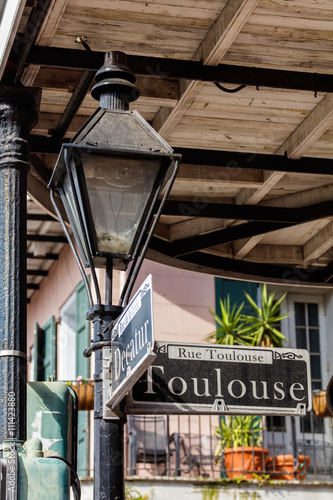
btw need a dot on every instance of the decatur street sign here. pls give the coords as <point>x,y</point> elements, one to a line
<point>132,343</point>
<point>207,378</point>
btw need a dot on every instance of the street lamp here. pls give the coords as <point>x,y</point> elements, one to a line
<point>109,178</point>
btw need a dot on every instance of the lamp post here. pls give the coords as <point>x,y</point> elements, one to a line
<point>109,178</point>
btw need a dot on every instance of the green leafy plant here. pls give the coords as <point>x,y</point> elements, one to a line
<point>232,325</point>
<point>133,494</point>
<point>261,327</point>
<point>80,380</point>
<point>239,430</point>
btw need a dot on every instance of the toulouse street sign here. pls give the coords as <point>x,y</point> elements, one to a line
<point>207,378</point>
<point>132,343</point>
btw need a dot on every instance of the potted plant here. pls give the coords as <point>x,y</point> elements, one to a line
<point>240,444</point>
<point>240,436</point>
<point>84,389</point>
<point>288,467</point>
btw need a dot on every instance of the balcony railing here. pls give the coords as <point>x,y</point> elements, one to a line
<point>287,448</point>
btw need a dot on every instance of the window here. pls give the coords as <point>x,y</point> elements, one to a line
<point>308,337</point>
<point>44,354</point>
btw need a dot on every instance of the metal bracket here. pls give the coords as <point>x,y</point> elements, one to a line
<point>300,409</point>
<point>11,352</point>
<point>219,406</point>
<point>106,374</point>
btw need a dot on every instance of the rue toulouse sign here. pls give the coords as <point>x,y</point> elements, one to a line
<point>206,378</point>
<point>132,343</point>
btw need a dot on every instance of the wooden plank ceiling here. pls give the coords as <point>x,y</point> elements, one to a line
<point>253,198</point>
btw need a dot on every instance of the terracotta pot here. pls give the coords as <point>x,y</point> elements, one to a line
<point>239,461</point>
<point>85,395</point>
<point>320,405</point>
<point>284,466</point>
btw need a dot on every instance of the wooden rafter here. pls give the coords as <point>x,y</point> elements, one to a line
<point>45,36</point>
<point>297,144</point>
<point>162,251</point>
<point>216,43</point>
<point>310,130</point>
<point>156,68</point>
<point>318,244</point>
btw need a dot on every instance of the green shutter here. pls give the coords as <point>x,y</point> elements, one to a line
<point>38,355</point>
<point>45,350</point>
<point>82,328</point>
<point>235,290</point>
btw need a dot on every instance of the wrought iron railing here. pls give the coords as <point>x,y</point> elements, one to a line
<point>282,448</point>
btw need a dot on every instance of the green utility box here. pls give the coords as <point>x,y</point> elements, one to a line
<point>27,475</point>
<point>43,478</point>
<point>52,418</point>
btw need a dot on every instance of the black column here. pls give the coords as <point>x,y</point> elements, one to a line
<point>18,114</point>
<point>109,472</point>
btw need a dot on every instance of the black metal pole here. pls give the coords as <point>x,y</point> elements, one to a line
<point>109,471</point>
<point>18,114</point>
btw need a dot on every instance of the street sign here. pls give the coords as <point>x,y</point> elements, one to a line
<point>208,378</point>
<point>132,343</point>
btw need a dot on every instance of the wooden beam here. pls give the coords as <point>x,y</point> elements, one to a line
<point>251,196</point>
<point>36,272</point>
<point>48,238</point>
<point>45,36</point>
<point>161,93</point>
<point>319,244</point>
<point>296,215</point>
<point>292,254</point>
<point>161,251</point>
<point>212,49</point>
<point>157,67</point>
<point>47,256</point>
<point>297,144</point>
<point>202,183</point>
<point>193,227</point>
<point>229,234</point>
<point>242,248</point>
<point>38,191</point>
<point>310,130</point>
<point>40,217</point>
<point>258,161</point>
<point>48,121</point>
<point>26,40</point>
<point>311,196</point>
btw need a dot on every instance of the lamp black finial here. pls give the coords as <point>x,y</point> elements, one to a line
<point>115,87</point>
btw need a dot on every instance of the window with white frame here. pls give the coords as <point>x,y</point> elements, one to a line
<point>307,336</point>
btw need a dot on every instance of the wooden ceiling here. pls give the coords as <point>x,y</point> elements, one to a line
<point>253,198</point>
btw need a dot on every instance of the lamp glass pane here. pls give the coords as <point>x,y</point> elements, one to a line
<point>73,216</point>
<point>118,190</point>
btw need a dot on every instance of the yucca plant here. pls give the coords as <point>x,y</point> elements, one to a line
<point>239,430</point>
<point>262,326</point>
<point>231,323</point>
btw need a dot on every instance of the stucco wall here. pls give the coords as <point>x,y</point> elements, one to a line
<point>181,298</point>
<point>164,489</point>
<point>53,292</point>
<point>181,302</point>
